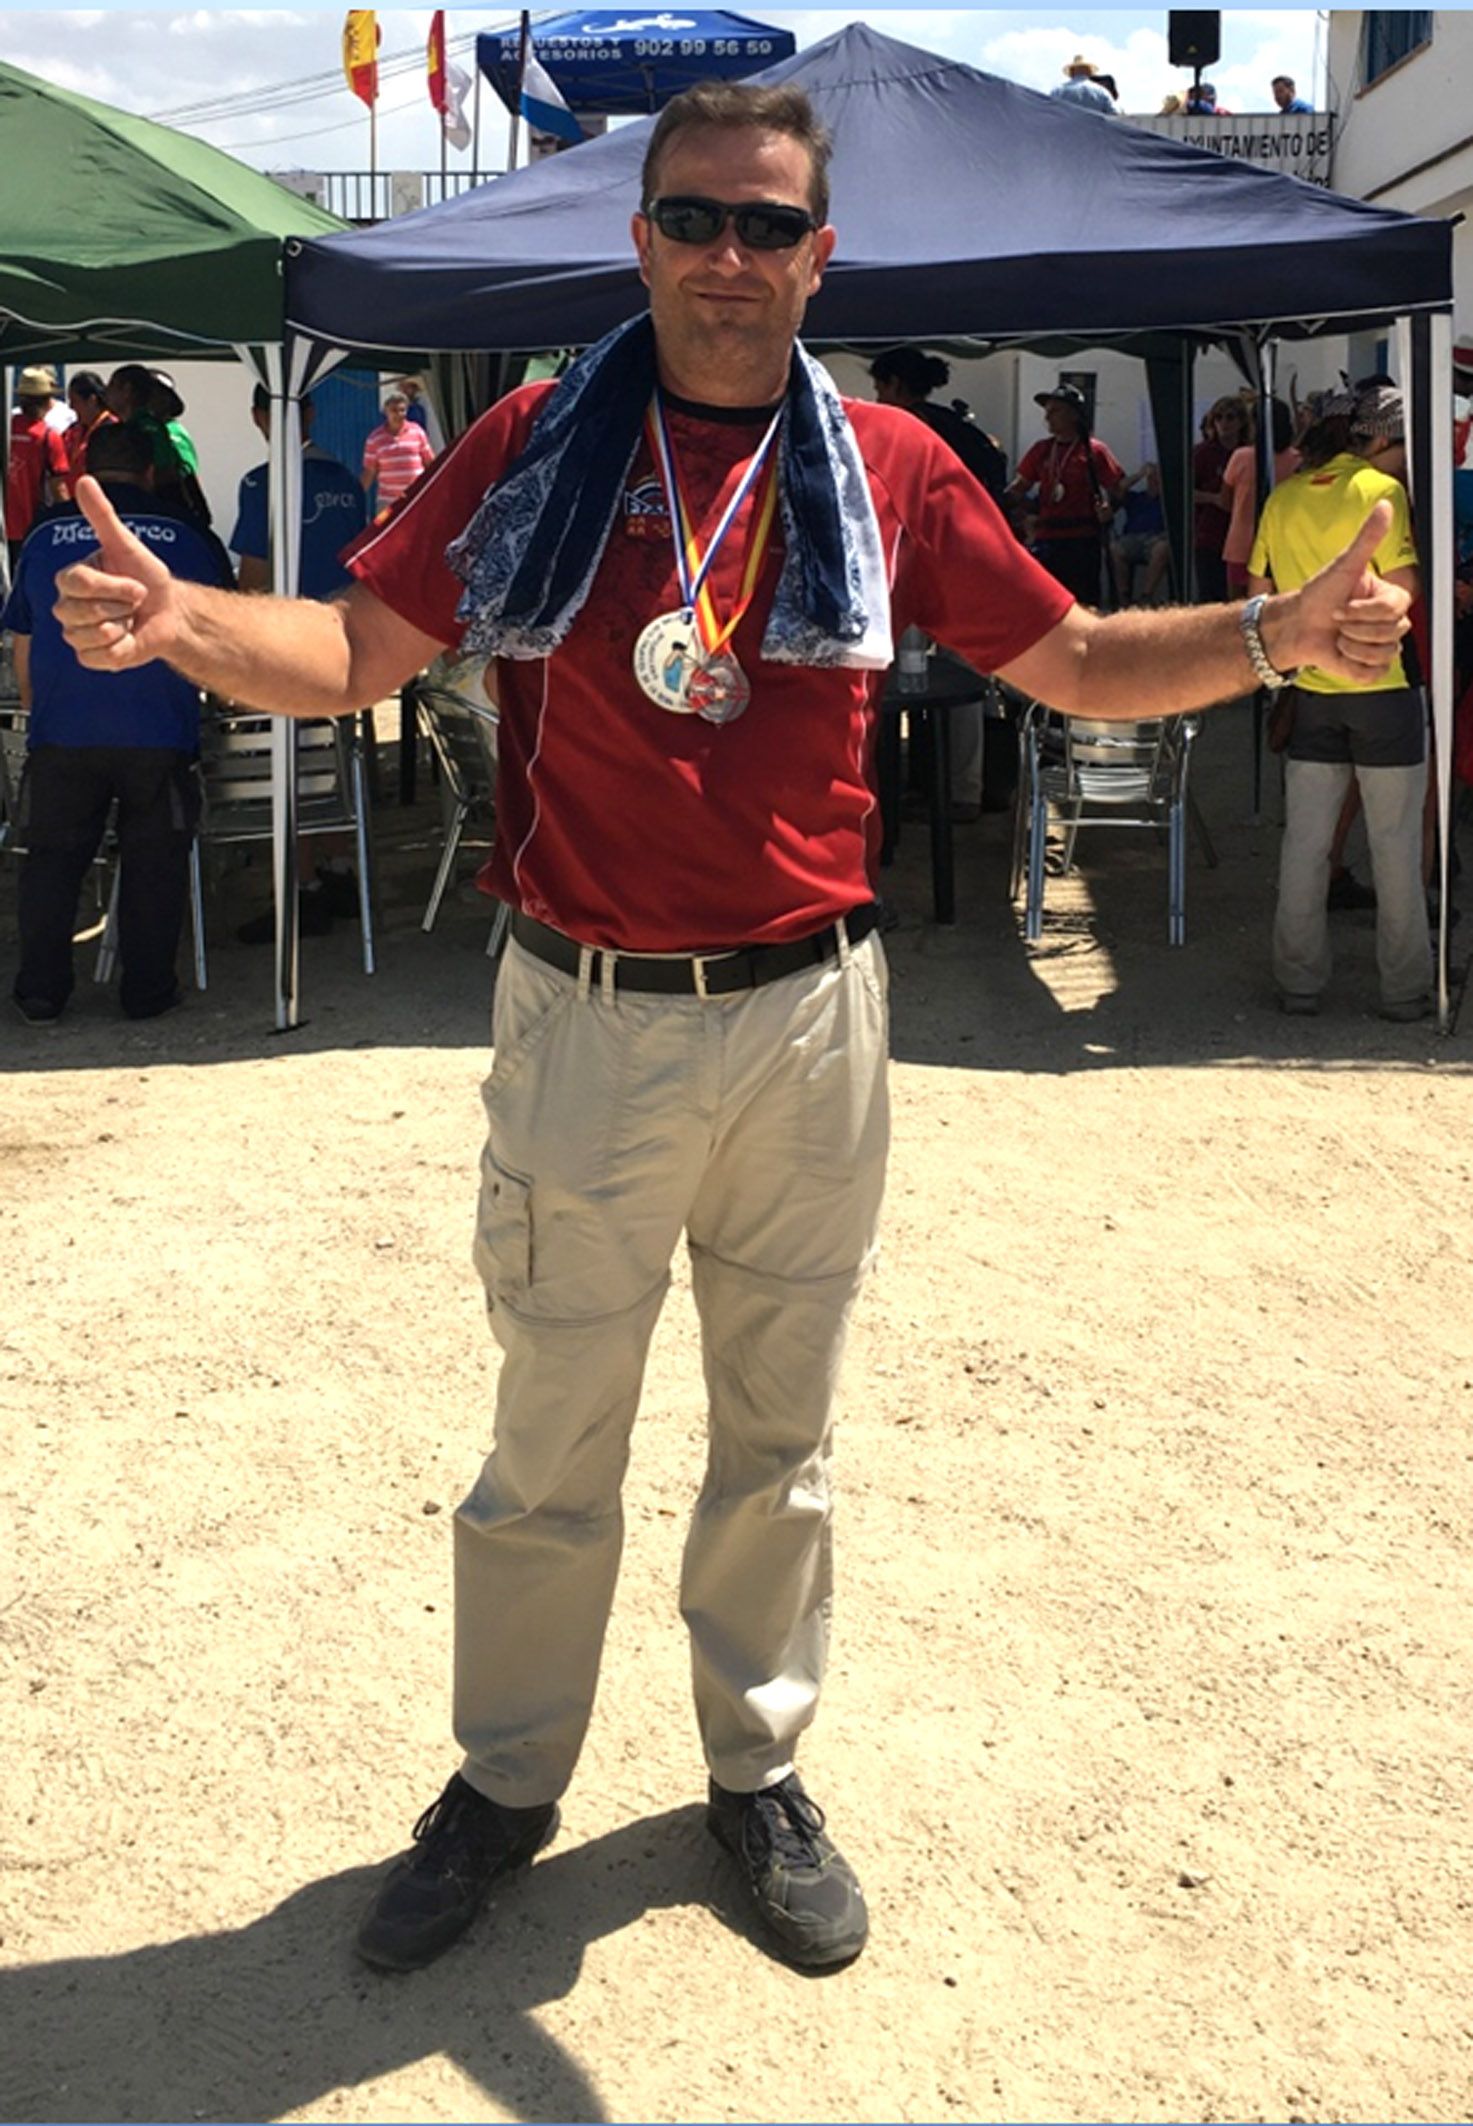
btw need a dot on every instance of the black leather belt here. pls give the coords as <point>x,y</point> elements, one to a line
<point>716,974</point>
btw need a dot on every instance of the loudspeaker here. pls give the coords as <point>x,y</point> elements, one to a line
<point>1193,37</point>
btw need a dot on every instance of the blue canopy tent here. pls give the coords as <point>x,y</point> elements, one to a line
<point>968,209</point>
<point>627,65</point>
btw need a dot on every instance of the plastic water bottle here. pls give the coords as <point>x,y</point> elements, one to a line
<point>913,661</point>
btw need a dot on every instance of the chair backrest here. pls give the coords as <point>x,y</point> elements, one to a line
<point>235,757</point>
<point>1112,745</point>
<point>12,767</point>
<point>463,737</point>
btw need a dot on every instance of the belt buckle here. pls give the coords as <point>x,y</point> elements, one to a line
<point>698,976</point>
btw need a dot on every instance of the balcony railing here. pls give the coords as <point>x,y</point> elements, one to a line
<point>364,196</point>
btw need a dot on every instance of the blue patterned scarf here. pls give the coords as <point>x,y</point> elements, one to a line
<point>529,555</point>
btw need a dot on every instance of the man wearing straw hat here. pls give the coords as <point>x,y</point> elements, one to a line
<point>38,469</point>
<point>1081,87</point>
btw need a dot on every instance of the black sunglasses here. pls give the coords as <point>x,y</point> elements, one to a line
<point>761,224</point>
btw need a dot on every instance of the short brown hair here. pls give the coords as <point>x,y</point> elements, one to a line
<point>736,106</point>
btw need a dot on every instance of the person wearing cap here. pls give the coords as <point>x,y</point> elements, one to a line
<point>1202,102</point>
<point>396,453</point>
<point>1371,731</point>
<point>38,472</point>
<point>1078,483</point>
<point>1081,87</point>
<point>87,396</point>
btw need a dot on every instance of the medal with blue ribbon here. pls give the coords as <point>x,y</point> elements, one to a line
<point>681,659</point>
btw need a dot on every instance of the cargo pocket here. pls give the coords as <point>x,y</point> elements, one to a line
<point>503,1249</point>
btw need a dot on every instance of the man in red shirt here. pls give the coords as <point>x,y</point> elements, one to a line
<point>690,1030</point>
<point>396,453</point>
<point>1077,485</point>
<point>38,469</point>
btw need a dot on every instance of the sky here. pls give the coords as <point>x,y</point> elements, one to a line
<point>163,63</point>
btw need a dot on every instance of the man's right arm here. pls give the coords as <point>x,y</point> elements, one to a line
<point>286,656</point>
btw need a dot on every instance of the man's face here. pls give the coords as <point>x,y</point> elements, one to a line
<point>726,315</point>
<point>396,412</point>
<point>1061,419</point>
<point>1283,94</point>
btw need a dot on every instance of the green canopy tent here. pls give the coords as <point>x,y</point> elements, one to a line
<point>121,240</point>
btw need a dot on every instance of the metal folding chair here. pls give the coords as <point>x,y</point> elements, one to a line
<point>332,790</point>
<point>1100,774</point>
<point>462,737</point>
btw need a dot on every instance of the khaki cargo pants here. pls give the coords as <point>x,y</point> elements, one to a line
<point>757,1124</point>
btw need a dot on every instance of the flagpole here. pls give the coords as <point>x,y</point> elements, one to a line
<point>373,157</point>
<point>526,39</point>
<point>476,124</point>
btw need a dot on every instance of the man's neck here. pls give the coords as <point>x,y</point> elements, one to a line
<point>757,384</point>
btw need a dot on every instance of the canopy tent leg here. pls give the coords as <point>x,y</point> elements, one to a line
<point>1169,384</point>
<point>287,369</point>
<point>1424,351</point>
<point>1250,355</point>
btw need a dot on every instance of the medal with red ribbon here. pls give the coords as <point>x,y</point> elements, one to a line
<point>681,659</point>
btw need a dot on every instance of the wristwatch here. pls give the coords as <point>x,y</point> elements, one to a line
<point>1265,673</point>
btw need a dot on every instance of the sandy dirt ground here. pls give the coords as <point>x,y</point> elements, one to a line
<point>1150,1714</point>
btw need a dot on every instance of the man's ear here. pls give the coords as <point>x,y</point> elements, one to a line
<point>639,231</point>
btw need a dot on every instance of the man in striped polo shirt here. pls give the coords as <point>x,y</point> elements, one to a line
<point>396,453</point>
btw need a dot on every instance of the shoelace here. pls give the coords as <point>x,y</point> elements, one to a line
<point>784,1821</point>
<point>451,1815</point>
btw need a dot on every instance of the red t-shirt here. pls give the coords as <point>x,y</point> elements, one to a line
<point>626,826</point>
<point>36,450</point>
<point>1209,522</point>
<point>1066,494</point>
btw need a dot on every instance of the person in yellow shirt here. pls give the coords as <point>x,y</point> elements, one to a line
<point>1353,457</point>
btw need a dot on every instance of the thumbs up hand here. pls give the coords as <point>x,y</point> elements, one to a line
<point>1349,621</point>
<point>119,609</point>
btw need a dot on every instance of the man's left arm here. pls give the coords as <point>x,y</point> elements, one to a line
<point>1147,662</point>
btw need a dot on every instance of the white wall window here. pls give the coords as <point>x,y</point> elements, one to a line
<point>1389,35</point>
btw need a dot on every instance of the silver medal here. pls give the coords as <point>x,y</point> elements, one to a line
<point>1058,490</point>
<point>666,656</point>
<point>719,689</point>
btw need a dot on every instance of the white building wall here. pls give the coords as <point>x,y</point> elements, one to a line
<point>1406,140</point>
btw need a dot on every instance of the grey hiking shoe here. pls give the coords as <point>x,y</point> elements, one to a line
<point>805,1892</point>
<point>463,1843</point>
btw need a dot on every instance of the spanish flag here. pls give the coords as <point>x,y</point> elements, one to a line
<point>360,53</point>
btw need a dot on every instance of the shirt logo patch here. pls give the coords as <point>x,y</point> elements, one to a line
<point>646,515</point>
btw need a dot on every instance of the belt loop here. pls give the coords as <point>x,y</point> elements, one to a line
<point>606,962</point>
<point>586,958</point>
<point>698,977</point>
<point>841,933</point>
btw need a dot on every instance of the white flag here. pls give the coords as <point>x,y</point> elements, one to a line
<point>453,118</point>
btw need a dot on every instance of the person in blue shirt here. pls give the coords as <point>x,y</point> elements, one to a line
<point>334,512</point>
<point>1080,87</point>
<point>1287,98</point>
<point>92,744</point>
